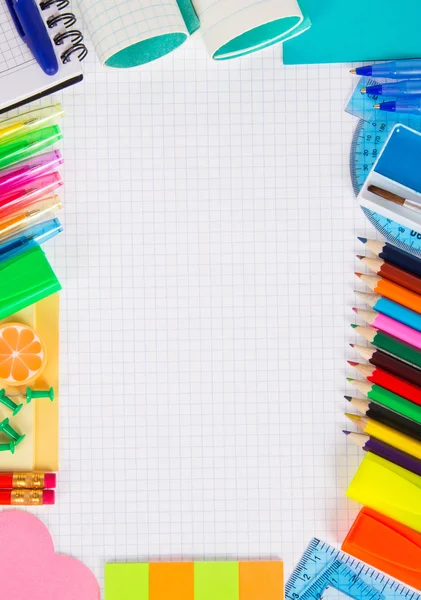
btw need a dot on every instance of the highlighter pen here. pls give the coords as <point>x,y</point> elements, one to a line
<point>402,88</point>
<point>33,119</point>
<point>33,191</point>
<point>409,107</point>
<point>396,69</point>
<point>23,147</point>
<point>39,211</point>
<point>35,236</point>
<point>39,165</point>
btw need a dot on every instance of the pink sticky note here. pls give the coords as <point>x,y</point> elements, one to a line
<point>31,568</point>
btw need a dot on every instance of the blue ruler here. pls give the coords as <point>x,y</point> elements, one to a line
<point>370,135</point>
<point>324,572</point>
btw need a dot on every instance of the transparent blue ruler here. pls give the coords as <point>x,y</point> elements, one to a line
<point>371,133</point>
<point>324,572</point>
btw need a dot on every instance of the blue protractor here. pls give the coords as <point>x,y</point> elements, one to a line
<point>369,137</point>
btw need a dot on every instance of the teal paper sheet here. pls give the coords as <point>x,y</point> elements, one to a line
<point>356,31</point>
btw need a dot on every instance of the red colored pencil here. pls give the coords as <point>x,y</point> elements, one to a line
<point>27,480</point>
<point>26,497</point>
<point>390,382</point>
<point>395,274</point>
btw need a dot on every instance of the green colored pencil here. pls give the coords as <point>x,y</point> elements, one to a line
<point>390,344</point>
<point>383,397</point>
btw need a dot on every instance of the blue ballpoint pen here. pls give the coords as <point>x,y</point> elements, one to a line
<point>396,69</point>
<point>410,107</point>
<point>33,31</point>
<point>402,88</point>
<point>34,236</point>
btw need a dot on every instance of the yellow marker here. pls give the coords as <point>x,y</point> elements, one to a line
<point>389,489</point>
<point>22,124</point>
<point>387,435</point>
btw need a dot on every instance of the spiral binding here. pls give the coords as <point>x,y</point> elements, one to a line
<point>68,19</point>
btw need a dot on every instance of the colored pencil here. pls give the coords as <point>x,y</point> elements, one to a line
<point>386,417</point>
<point>392,273</point>
<point>27,480</point>
<point>391,326</point>
<point>389,344</point>
<point>392,291</point>
<point>386,451</point>
<point>394,255</point>
<point>392,309</point>
<point>389,363</point>
<point>387,399</point>
<point>389,381</point>
<point>388,435</point>
<point>26,497</point>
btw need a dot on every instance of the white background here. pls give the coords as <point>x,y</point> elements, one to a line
<point>207,266</point>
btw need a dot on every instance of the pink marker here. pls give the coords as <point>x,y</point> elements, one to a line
<point>39,165</point>
<point>33,190</point>
<point>391,326</point>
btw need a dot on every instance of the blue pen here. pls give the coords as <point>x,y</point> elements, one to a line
<point>34,236</point>
<point>33,31</point>
<point>410,107</point>
<point>402,88</point>
<point>397,69</point>
<point>392,309</point>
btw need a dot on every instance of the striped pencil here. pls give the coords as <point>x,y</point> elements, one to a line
<point>391,326</point>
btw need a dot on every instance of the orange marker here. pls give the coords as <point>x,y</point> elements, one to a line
<point>391,290</point>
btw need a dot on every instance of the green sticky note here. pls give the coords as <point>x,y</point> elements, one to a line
<point>24,280</point>
<point>216,581</point>
<point>356,31</point>
<point>126,581</point>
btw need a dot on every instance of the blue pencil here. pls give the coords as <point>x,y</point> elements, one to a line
<point>392,309</point>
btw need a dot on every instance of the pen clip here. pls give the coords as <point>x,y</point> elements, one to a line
<point>15,18</point>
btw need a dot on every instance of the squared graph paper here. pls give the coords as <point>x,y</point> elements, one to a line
<point>207,265</point>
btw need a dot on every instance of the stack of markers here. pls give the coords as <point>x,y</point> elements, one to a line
<point>389,417</point>
<point>407,92</point>
<point>28,180</point>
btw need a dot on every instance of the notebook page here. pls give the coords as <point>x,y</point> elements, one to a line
<point>116,26</point>
<point>15,57</point>
<point>262,23</point>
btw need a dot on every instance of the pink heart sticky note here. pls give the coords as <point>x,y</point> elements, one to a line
<point>32,569</point>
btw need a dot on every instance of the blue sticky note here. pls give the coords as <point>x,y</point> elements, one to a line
<point>401,158</point>
<point>357,30</point>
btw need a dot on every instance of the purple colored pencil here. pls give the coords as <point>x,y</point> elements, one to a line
<point>397,457</point>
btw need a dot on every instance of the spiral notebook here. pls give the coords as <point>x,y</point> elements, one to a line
<point>21,78</point>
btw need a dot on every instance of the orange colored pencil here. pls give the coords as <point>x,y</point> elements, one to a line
<point>391,290</point>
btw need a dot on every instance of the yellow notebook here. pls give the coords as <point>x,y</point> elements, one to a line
<point>38,420</point>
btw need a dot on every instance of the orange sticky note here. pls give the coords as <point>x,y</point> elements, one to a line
<point>262,580</point>
<point>173,581</point>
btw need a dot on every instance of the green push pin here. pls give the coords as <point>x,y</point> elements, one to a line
<point>30,394</point>
<point>8,447</point>
<point>9,403</point>
<point>8,430</point>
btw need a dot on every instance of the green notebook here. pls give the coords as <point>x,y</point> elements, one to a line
<point>356,31</point>
<point>24,280</point>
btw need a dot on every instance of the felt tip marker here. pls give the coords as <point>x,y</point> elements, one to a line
<point>409,107</point>
<point>402,88</point>
<point>396,69</point>
<point>26,497</point>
